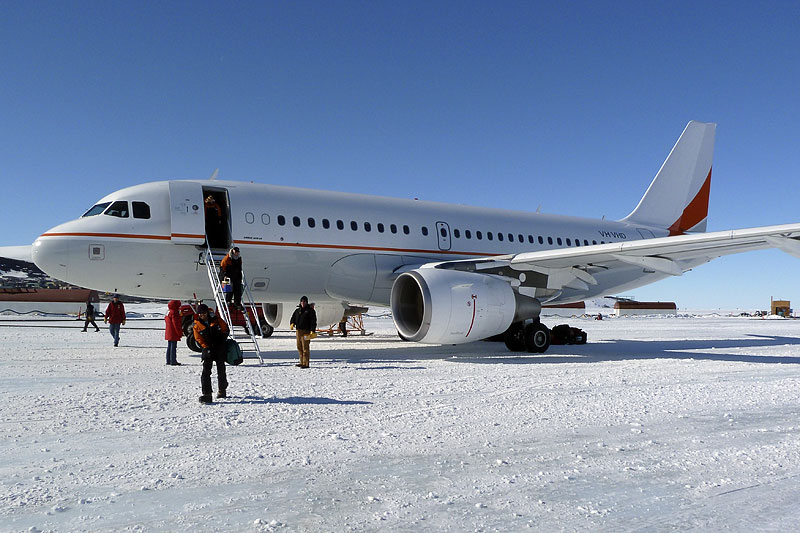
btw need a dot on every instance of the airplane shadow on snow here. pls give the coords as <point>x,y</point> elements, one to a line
<point>396,351</point>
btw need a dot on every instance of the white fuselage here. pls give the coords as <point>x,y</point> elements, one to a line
<point>332,247</point>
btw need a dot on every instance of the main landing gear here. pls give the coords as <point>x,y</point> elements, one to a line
<point>533,337</point>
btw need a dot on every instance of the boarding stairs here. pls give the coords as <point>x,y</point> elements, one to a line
<point>242,334</point>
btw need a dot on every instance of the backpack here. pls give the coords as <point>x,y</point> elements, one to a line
<point>233,353</point>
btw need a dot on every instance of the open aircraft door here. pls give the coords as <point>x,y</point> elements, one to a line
<point>186,215</point>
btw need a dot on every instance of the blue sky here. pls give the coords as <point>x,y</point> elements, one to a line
<point>571,106</point>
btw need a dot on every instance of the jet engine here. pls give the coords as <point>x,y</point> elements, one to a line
<point>452,307</point>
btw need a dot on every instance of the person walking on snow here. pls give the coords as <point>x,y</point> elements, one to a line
<point>173,331</point>
<point>210,332</point>
<point>89,317</point>
<point>115,317</point>
<point>304,319</point>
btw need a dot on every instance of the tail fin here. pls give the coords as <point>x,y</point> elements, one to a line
<point>677,198</point>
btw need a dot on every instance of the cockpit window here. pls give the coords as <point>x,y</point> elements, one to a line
<point>140,210</point>
<point>117,209</point>
<point>96,210</point>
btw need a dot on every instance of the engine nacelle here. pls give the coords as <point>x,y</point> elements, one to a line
<point>279,315</point>
<point>275,316</point>
<point>452,307</point>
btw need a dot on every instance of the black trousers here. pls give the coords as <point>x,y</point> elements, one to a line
<point>236,293</point>
<point>217,356</point>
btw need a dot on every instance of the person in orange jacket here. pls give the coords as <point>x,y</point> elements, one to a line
<point>115,317</point>
<point>173,331</point>
<point>210,332</point>
<point>231,267</point>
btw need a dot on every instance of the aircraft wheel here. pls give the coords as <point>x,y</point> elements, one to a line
<point>266,330</point>
<point>537,337</point>
<point>188,325</point>
<point>514,337</point>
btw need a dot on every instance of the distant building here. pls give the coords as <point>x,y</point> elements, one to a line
<point>629,307</point>
<point>56,301</point>
<point>780,307</point>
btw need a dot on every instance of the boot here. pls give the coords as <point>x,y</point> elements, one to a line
<point>206,398</point>
<point>222,394</point>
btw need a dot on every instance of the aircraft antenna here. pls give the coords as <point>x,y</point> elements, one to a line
<point>214,175</point>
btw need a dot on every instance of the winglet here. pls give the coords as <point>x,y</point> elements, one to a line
<point>677,198</point>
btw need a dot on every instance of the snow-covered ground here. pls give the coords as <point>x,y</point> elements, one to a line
<point>656,424</point>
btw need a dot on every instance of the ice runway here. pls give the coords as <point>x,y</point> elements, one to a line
<point>656,424</point>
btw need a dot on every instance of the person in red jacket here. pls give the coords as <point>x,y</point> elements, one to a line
<point>115,317</point>
<point>173,331</point>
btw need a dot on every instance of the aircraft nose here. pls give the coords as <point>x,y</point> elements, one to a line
<point>51,255</point>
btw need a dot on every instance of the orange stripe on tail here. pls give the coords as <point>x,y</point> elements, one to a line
<point>695,212</point>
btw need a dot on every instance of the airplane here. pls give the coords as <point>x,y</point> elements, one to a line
<point>451,274</point>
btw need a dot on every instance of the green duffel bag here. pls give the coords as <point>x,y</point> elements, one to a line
<point>233,353</point>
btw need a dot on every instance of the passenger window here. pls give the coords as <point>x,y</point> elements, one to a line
<point>265,219</point>
<point>380,227</point>
<point>499,236</point>
<point>141,210</point>
<point>541,240</point>
<point>424,231</point>
<point>354,225</point>
<point>511,237</point>
<point>490,235</point>
<point>594,242</point>
<point>585,242</point>
<point>326,223</point>
<point>558,240</point>
<point>296,222</point>
<point>443,232</point>
<point>478,235</point>
<point>530,239</point>
<point>117,209</point>
<point>549,240</point>
<point>367,226</point>
<point>569,242</point>
<point>340,224</point>
<point>520,238</point>
<point>456,233</point>
<point>248,217</point>
<point>577,242</point>
<point>406,229</point>
<point>96,210</point>
<point>281,220</point>
<point>467,234</point>
<point>311,222</point>
<point>393,228</point>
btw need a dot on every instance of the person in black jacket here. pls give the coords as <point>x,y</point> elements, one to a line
<point>304,320</point>
<point>89,317</point>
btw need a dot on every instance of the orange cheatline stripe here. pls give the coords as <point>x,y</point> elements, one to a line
<point>113,235</point>
<point>368,248</point>
<point>284,244</point>
<point>695,212</point>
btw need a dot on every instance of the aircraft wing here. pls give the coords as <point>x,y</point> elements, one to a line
<point>574,267</point>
